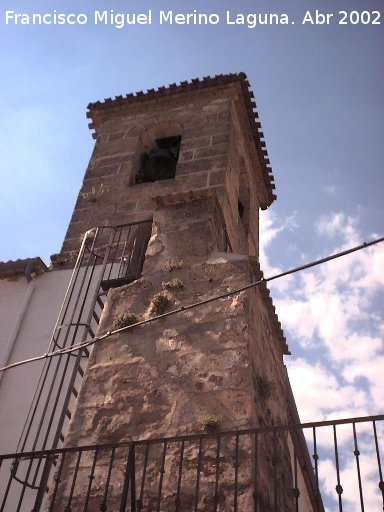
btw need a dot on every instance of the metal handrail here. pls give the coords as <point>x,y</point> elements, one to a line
<point>240,460</point>
<point>194,437</point>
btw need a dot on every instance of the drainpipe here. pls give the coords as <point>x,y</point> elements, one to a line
<point>19,322</point>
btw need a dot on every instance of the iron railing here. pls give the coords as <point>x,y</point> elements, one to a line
<point>253,470</point>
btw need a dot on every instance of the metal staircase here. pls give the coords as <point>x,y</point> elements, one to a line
<point>108,257</point>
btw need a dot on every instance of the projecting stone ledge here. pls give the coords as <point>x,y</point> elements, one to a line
<point>225,257</point>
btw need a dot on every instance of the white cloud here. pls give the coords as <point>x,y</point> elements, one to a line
<point>320,395</point>
<point>270,228</point>
<point>333,224</point>
<point>348,472</point>
<point>349,480</point>
<point>329,189</point>
<point>333,311</point>
<point>370,369</point>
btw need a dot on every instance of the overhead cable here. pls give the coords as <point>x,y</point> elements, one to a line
<point>182,309</point>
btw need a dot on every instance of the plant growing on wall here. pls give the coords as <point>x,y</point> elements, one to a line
<point>95,193</point>
<point>208,423</point>
<point>264,387</point>
<point>173,265</point>
<point>160,303</point>
<point>173,284</point>
<point>125,319</point>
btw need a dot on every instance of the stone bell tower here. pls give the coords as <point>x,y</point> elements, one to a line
<point>191,160</point>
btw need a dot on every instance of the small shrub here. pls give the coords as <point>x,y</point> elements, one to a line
<point>208,423</point>
<point>173,265</point>
<point>160,303</point>
<point>125,319</point>
<point>173,284</point>
<point>264,387</point>
<point>94,194</point>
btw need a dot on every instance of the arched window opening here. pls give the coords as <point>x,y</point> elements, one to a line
<point>159,162</point>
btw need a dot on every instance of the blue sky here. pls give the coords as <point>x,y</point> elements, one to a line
<point>319,92</point>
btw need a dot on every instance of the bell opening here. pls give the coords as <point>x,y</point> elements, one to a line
<point>160,162</point>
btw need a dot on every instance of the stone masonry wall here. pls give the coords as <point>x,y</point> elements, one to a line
<point>108,194</point>
<point>215,160</point>
<point>164,378</point>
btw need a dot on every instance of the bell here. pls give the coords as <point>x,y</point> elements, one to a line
<point>160,165</point>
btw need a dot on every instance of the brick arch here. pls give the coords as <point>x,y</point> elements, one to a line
<point>180,117</point>
<point>157,131</point>
<point>185,115</point>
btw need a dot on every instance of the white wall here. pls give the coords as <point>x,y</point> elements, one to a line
<point>305,504</point>
<point>36,306</point>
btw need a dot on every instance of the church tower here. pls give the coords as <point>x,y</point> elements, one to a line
<point>168,217</point>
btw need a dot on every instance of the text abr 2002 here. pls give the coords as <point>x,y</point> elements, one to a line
<point>357,17</point>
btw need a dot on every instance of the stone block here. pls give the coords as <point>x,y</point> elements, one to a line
<point>220,139</point>
<point>103,171</point>
<point>217,177</point>
<point>217,149</point>
<point>115,147</point>
<point>186,155</point>
<point>115,136</point>
<point>112,160</point>
<point>188,143</point>
<point>204,130</point>
<point>203,164</point>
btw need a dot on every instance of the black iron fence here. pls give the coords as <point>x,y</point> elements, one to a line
<point>253,470</point>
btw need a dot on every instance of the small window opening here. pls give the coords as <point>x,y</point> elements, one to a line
<point>240,208</point>
<point>244,199</point>
<point>160,162</point>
